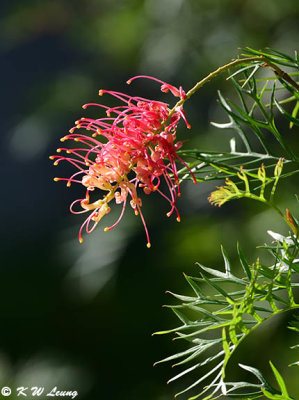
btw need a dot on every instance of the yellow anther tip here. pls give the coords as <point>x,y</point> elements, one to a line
<point>68,184</point>
<point>106,229</point>
<point>84,106</point>
<point>178,219</point>
<point>129,82</point>
<point>51,158</point>
<point>101,92</point>
<point>80,240</point>
<point>148,245</point>
<point>56,179</point>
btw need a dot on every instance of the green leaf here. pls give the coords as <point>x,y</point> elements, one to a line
<point>294,113</point>
<point>290,117</point>
<point>259,376</point>
<point>280,381</point>
<point>194,286</point>
<point>243,261</point>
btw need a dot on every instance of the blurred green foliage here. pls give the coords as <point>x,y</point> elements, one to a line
<point>81,317</point>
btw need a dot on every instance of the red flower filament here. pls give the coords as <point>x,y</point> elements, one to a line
<point>137,148</point>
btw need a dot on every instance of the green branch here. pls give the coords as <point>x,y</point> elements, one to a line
<point>226,67</point>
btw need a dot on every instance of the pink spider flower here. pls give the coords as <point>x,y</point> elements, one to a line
<point>137,148</point>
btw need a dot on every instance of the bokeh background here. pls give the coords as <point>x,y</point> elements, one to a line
<point>80,317</point>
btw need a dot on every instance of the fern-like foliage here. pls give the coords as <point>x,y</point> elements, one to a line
<point>215,324</point>
<point>263,102</point>
<point>237,306</point>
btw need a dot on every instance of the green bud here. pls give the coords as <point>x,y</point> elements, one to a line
<point>278,168</point>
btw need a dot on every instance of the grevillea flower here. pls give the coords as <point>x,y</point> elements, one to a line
<point>133,146</point>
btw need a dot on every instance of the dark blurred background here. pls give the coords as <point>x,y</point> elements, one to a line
<point>80,317</point>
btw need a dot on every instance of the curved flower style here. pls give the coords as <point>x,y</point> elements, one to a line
<point>137,148</point>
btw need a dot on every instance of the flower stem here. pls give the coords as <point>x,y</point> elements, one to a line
<point>225,67</point>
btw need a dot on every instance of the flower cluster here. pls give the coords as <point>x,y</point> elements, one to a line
<point>132,147</point>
